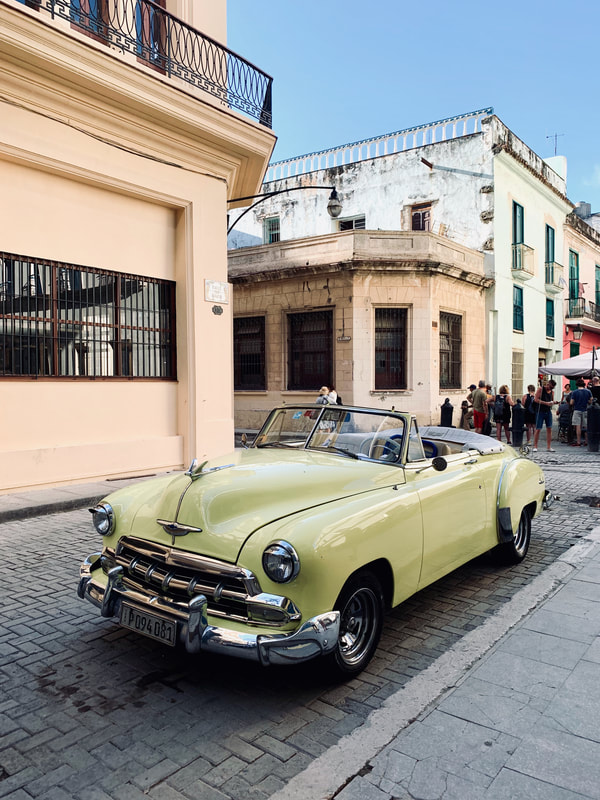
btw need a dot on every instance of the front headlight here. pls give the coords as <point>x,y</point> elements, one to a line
<point>281,562</point>
<point>104,518</point>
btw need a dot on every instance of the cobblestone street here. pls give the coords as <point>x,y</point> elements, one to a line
<point>90,711</point>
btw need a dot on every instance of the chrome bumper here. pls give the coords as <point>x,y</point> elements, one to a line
<point>315,637</point>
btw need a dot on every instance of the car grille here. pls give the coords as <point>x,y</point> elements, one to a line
<point>180,576</point>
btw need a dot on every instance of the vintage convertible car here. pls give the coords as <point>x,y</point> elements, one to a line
<point>294,547</point>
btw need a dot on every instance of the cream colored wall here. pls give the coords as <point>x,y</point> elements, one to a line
<point>107,166</point>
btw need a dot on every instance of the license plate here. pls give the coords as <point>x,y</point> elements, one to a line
<point>163,630</point>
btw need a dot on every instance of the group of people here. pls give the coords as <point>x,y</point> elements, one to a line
<point>572,411</point>
<point>486,409</point>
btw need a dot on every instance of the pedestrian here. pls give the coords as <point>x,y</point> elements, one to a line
<point>503,403</point>
<point>580,399</point>
<point>528,401</point>
<point>544,400</point>
<point>566,392</point>
<point>333,396</point>
<point>595,388</point>
<point>480,407</point>
<point>466,415</point>
<point>323,396</point>
<point>564,420</point>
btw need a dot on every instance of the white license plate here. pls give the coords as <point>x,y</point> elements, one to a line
<point>164,630</point>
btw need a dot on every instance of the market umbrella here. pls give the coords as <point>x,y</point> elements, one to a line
<point>585,365</point>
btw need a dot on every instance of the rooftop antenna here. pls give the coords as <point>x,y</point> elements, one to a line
<point>555,137</point>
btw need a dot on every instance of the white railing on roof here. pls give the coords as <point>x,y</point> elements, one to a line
<point>407,139</point>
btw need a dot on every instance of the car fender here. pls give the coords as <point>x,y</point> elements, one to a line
<point>521,485</point>
<point>334,541</point>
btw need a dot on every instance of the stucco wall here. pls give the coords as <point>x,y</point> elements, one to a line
<point>105,165</point>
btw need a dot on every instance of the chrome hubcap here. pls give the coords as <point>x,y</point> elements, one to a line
<point>358,625</point>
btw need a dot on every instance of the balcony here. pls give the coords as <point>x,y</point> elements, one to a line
<point>581,310</point>
<point>522,262</point>
<point>170,47</point>
<point>554,277</point>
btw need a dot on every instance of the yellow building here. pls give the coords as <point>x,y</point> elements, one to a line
<point>391,318</point>
<point>126,126</point>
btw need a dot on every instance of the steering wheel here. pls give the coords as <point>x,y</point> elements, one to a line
<point>384,449</point>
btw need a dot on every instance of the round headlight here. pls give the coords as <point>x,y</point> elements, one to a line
<point>281,562</point>
<point>104,518</point>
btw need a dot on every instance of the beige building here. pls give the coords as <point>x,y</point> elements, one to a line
<point>390,318</point>
<point>124,132</point>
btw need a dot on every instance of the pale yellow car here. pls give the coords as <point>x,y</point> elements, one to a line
<point>293,547</point>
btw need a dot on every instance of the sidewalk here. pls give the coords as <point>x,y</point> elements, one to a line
<point>514,721</point>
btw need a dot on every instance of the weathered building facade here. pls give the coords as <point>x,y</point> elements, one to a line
<point>467,180</point>
<point>389,317</point>
<point>125,129</point>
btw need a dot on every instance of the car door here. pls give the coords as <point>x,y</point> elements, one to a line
<point>458,512</point>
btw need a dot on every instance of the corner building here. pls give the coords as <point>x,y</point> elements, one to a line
<point>126,126</point>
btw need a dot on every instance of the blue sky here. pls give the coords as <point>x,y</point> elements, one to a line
<point>346,70</point>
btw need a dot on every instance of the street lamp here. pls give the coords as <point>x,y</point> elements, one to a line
<point>577,332</point>
<point>334,206</point>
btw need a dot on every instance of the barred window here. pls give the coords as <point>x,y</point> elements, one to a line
<point>60,320</point>
<point>310,350</point>
<point>249,353</point>
<point>390,348</point>
<point>450,351</point>
<point>271,232</point>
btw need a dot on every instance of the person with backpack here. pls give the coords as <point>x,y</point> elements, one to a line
<point>528,401</point>
<point>502,406</point>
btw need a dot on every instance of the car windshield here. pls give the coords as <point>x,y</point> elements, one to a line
<point>353,433</point>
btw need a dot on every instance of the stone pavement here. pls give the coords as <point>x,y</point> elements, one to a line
<point>509,710</point>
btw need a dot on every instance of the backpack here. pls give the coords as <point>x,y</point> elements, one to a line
<point>498,407</point>
<point>487,427</point>
<point>528,402</point>
<point>339,401</point>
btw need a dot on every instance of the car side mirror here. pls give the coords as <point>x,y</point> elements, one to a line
<point>439,463</point>
<point>244,440</point>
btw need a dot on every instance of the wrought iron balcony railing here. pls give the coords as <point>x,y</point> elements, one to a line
<point>169,46</point>
<point>554,276</point>
<point>522,261</point>
<point>580,308</point>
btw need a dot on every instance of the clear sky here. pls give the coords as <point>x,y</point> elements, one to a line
<point>346,70</point>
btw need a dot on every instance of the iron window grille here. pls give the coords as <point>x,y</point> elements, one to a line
<point>64,320</point>
<point>271,231</point>
<point>310,350</point>
<point>390,348</point>
<point>450,351</point>
<point>518,324</point>
<point>249,353</point>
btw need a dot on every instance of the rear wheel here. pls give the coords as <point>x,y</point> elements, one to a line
<point>514,552</point>
<point>361,619</point>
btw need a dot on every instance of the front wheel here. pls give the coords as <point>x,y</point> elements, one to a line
<point>514,552</point>
<point>361,619</point>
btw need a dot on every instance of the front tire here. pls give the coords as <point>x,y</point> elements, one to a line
<point>514,552</point>
<point>361,608</point>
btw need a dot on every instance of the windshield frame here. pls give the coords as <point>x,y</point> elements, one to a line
<point>344,431</point>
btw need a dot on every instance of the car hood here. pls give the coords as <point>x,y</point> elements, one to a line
<point>233,496</point>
